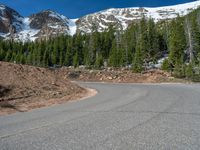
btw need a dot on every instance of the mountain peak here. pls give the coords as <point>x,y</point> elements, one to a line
<point>2,7</point>
<point>10,20</point>
<point>49,23</point>
<point>123,17</point>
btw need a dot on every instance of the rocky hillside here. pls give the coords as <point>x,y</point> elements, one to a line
<point>48,23</point>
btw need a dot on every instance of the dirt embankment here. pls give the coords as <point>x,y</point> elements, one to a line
<point>120,76</point>
<point>25,87</point>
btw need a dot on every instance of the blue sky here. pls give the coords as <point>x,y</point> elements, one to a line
<point>78,8</point>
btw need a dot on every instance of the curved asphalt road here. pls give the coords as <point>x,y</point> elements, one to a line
<point>120,116</point>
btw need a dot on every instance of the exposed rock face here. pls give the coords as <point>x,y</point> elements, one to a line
<point>42,25</point>
<point>49,23</point>
<point>47,17</point>
<point>10,20</point>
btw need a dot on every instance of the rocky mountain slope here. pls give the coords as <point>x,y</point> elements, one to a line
<point>48,23</point>
<point>42,25</point>
<point>10,20</point>
<point>122,17</point>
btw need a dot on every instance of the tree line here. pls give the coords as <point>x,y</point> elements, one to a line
<point>142,43</point>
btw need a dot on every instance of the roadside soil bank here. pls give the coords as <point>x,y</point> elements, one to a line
<point>24,87</point>
<point>120,76</point>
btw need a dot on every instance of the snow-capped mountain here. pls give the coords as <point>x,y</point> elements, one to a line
<point>48,23</point>
<point>42,25</point>
<point>122,17</point>
<point>10,20</point>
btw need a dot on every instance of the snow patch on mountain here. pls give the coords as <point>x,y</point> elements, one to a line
<point>2,18</point>
<point>71,23</point>
<point>72,26</point>
<point>169,12</point>
<point>24,32</point>
<point>122,17</point>
<point>3,35</point>
<point>27,33</point>
<point>18,22</point>
<point>2,7</point>
<point>59,16</point>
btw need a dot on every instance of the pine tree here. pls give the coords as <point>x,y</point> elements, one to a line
<point>75,60</point>
<point>68,56</point>
<point>87,60</point>
<point>166,65</point>
<point>99,61</point>
<point>189,71</point>
<point>189,39</point>
<point>177,42</point>
<point>142,43</point>
<point>55,52</point>
<point>179,68</point>
<point>2,54</point>
<point>195,30</point>
<point>108,40</point>
<point>29,59</point>
<point>138,58</point>
<point>153,41</point>
<point>45,60</point>
<point>114,57</point>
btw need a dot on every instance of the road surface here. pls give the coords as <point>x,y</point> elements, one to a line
<point>120,116</point>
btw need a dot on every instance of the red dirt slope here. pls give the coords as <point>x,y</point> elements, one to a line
<point>24,87</point>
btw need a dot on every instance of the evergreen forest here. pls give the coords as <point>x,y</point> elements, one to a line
<point>142,44</point>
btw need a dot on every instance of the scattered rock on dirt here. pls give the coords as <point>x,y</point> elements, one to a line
<point>120,76</point>
<point>24,87</point>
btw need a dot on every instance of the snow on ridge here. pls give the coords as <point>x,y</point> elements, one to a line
<point>54,15</point>
<point>183,6</point>
<point>3,35</point>
<point>27,33</point>
<point>2,7</point>
<point>181,9</point>
<point>125,15</point>
<point>71,23</point>
<point>155,12</point>
<point>2,18</point>
<point>59,16</point>
<point>72,26</point>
